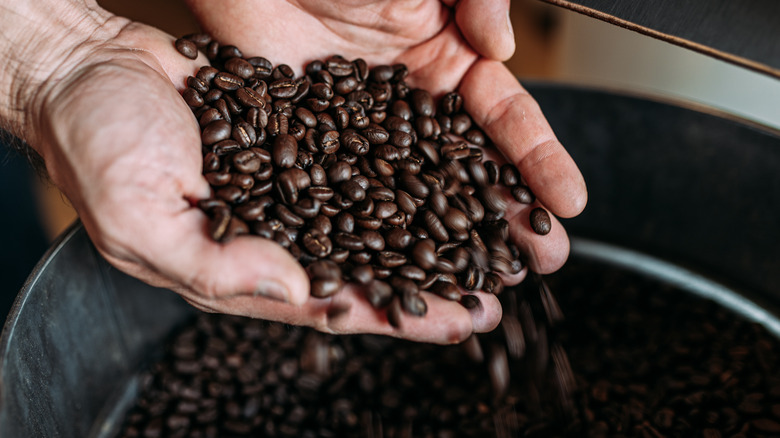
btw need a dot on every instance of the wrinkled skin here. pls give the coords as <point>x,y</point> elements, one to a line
<point>122,145</point>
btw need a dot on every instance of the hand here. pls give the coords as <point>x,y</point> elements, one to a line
<point>122,145</point>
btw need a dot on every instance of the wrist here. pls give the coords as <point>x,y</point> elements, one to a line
<point>43,42</point>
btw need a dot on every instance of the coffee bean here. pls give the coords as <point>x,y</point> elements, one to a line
<point>187,48</point>
<point>215,132</point>
<point>424,254</point>
<point>373,240</point>
<point>540,221</point>
<point>414,304</point>
<point>285,151</point>
<point>317,243</point>
<point>362,274</point>
<point>523,195</point>
<point>446,290</point>
<point>325,287</point>
<point>390,259</point>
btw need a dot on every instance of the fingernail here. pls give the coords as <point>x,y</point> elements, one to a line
<point>509,27</point>
<point>272,290</point>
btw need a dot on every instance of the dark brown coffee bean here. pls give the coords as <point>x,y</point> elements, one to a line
<point>215,132</point>
<point>413,185</point>
<point>457,150</point>
<point>250,98</point>
<point>339,255</point>
<point>345,222</point>
<point>414,304</point>
<point>411,272</point>
<point>451,103</point>
<point>285,151</point>
<point>354,142</point>
<point>329,142</point>
<point>493,283</point>
<point>287,217</point>
<point>446,290</point>
<point>345,85</point>
<point>373,240</point>
<point>317,243</point>
<point>540,221</point>
<point>434,226</point>
<point>284,88</point>
<point>362,274</point>
<point>424,254</point>
<point>338,172</point>
<point>493,199</point>
<point>348,241</point>
<point>352,190</point>
<point>456,221</point>
<point>379,294</point>
<point>307,208</point>
<point>338,66</point>
<point>385,209</point>
<point>242,181</point>
<point>187,48</point>
<point>227,81</point>
<point>523,195</point>
<point>246,162</point>
<point>192,98</point>
<point>422,102</point>
<point>325,287</point>
<point>398,238</point>
<point>460,123</point>
<point>510,177</point>
<point>368,222</point>
<point>390,259</point>
<point>322,223</point>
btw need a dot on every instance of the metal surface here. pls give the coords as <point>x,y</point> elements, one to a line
<point>744,32</point>
<point>687,187</point>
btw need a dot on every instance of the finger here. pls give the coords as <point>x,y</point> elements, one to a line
<point>446,322</point>
<point>179,249</point>
<point>515,123</point>
<point>544,254</point>
<point>486,26</point>
<point>486,314</point>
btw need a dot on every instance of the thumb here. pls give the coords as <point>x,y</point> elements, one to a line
<point>216,272</point>
<point>486,26</point>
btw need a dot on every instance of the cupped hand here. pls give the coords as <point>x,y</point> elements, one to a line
<point>123,146</point>
<point>447,45</point>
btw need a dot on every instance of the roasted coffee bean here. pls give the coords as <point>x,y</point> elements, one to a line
<point>460,123</point>
<point>414,304</point>
<point>373,240</point>
<point>284,88</point>
<point>493,199</point>
<point>227,81</point>
<point>215,132</point>
<point>540,221</point>
<point>187,48</point>
<point>317,243</point>
<point>192,98</point>
<point>390,259</point>
<point>434,226</point>
<point>325,287</point>
<point>345,222</point>
<point>339,255</point>
<point>411,272</point>
<point>362,274</point>
<point>398,238</point>
<point>348,241</point>
<point>246,162</point>
<point>379,294</point>
<point>250,98</point>
<point>424,254</point>
<point>285,151</point>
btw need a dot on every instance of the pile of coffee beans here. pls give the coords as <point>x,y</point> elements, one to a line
<point>362,178</point>
<point>644,360</point>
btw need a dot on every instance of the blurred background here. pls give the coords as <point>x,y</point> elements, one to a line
<point>553,44</point>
